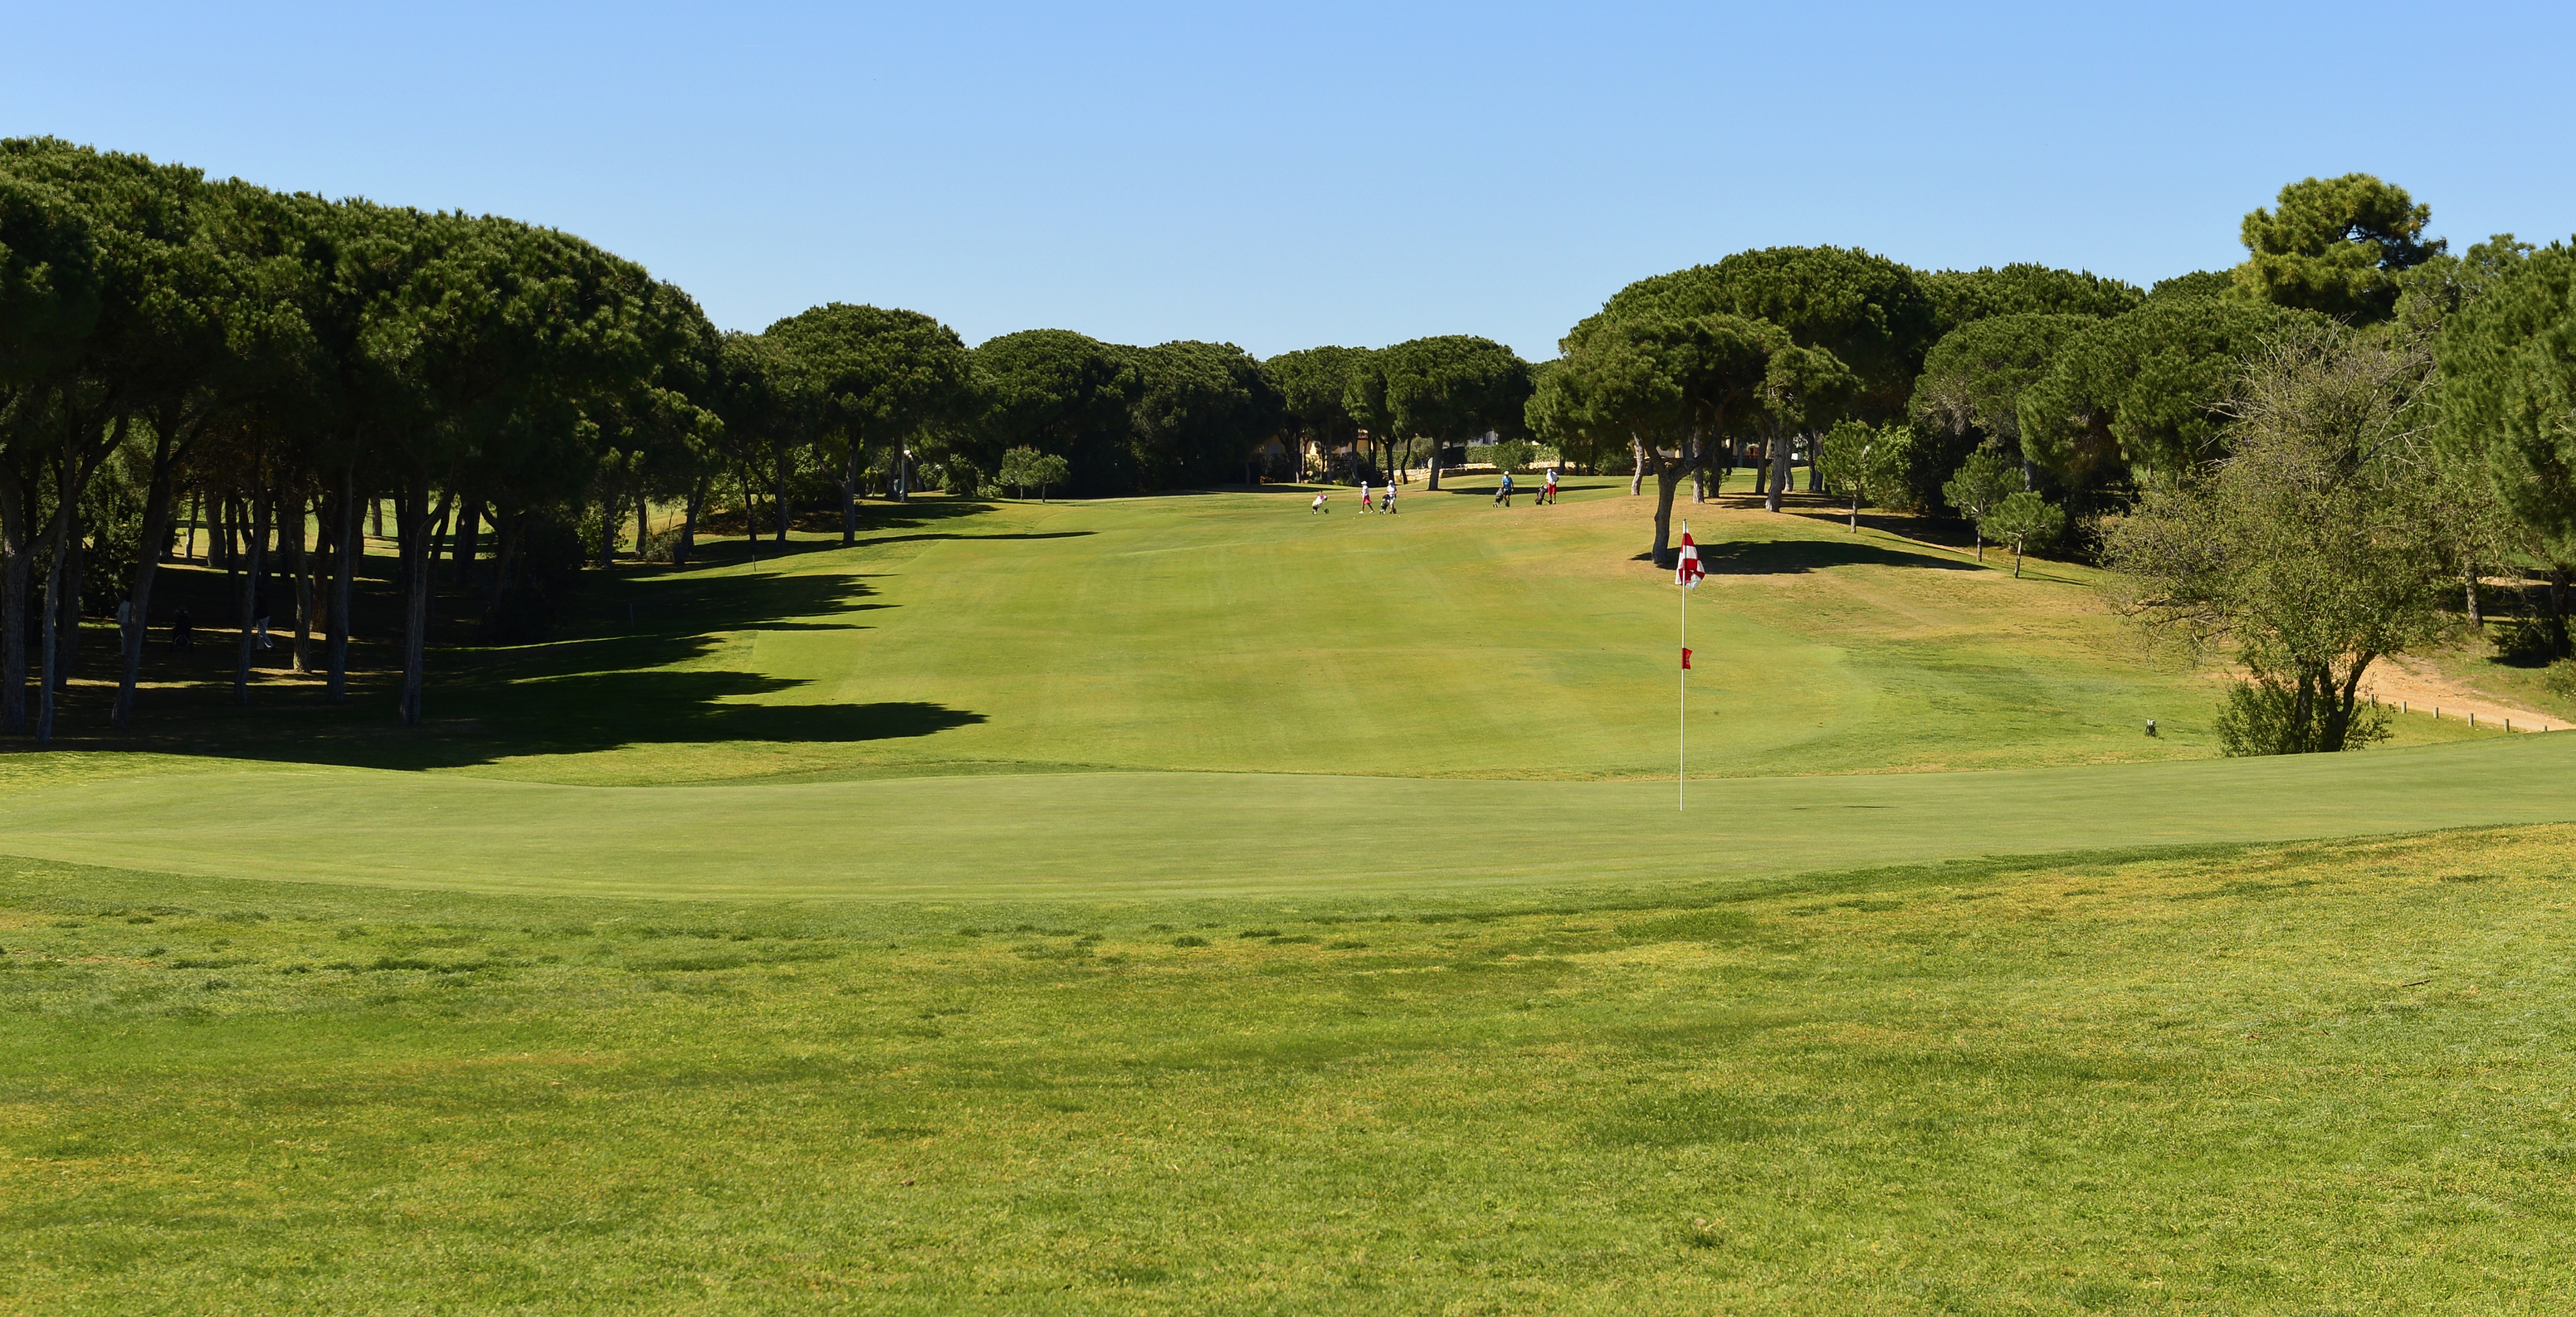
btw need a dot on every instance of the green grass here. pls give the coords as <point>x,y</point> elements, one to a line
<point>1187,904</point>
<point>1145,836</point>
<point>2311,1078</point>
<point>1233,632</point>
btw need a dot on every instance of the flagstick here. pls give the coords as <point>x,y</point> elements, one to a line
<point>1681,739</point>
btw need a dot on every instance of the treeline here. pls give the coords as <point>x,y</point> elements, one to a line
<point>1966,391</point>
<point>281,365</point>
<point>277,367</point>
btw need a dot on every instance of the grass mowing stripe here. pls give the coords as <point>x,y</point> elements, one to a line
<point>1156,835</point>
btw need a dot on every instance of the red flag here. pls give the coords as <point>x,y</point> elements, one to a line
<point>1685,658</point>
<point>1686,572</point>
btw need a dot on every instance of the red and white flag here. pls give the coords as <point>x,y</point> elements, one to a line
<point>1686,572</point>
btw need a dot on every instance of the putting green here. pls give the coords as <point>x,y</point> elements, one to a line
<point>1094,835</point>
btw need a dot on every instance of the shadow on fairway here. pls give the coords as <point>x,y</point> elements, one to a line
<point>1788,557</point>
<point>646,665</point>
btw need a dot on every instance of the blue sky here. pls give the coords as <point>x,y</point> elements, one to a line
<point>1283,176</point>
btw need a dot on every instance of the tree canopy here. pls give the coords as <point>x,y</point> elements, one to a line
<point>2508,373</point>
<point>1965,296</point>
<point>2335,246</point>
<point>2144,390</point>
<point>879,377</point>
<point>1449,389</point>
<point>1874,315</point>
<point>1971,390</point>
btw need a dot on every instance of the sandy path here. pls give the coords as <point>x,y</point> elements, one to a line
<point>2422,690</point>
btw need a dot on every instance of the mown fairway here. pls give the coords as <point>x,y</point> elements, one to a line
<point>1189,904</point>
<point>1234,632</point>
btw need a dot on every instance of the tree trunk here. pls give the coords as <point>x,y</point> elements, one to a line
<point>1637,475</point>
<point>778,494</point>
<point>16,566</point>
<point>196,513</point>
<point>2469,582</point>
<point>250,589</point>
<point>469,536</point>
<point>156,514</point>
<point>611,508</point>
<point>750,513</point>
<point>48,679</point>
<point>505,551</point>
<point>1699,487</point>
<point>414,548</point>
<point>376,507</point>
<point>1668,482</point>
<point>643,524</point>
<point>850,497</point>
<point>291,541</point>
<point>1779,472</point>
<point>689,524</point>
<point>1855,511</point>
<point>75,577</point>
<point>343,577</point>
<point>1433,484</point>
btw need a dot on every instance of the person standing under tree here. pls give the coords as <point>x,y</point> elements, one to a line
<point>259,615</point>
<point>183,636</point>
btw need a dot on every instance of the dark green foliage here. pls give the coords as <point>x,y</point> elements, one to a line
<point>1963,297</point>
<point>878,378</point>
<point>2143,392</point>
<point>1314,385</point>
<point>2508,369</point>
<point>2294,715</point>
<point>1452,388</point>
<point>2335,247</point>
<point>1971,389</point>
<point>1873,314</point>
<point>2198,283</point>
<point>1201,409</point>
<point>1063,393</point>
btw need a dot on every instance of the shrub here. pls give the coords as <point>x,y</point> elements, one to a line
<point>2560,679</point>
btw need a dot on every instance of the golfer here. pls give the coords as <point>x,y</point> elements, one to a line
<point>1317,506</point>
<point>1503,494</point>
<point>1548,495</point>
<point>1364,495</point>
<point>1386,501</point>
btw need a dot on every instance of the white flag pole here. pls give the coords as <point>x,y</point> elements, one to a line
<point>1681,739</point>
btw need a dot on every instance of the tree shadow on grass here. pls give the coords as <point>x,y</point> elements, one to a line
<point>661,678</point>
<point>1790,557</point>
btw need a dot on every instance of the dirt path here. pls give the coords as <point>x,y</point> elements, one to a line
<point>2423,690</point>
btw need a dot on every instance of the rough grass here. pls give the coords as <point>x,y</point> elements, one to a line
<point>2307,1078</point>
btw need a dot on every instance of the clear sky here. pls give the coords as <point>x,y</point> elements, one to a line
<point>1281,176</point>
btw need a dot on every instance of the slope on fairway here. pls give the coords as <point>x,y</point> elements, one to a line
<point>1161,834</point>
<point>1235,632</point>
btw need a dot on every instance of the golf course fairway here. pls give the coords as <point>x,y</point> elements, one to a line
<point>1183,905</point>
<point>1134,835</point>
